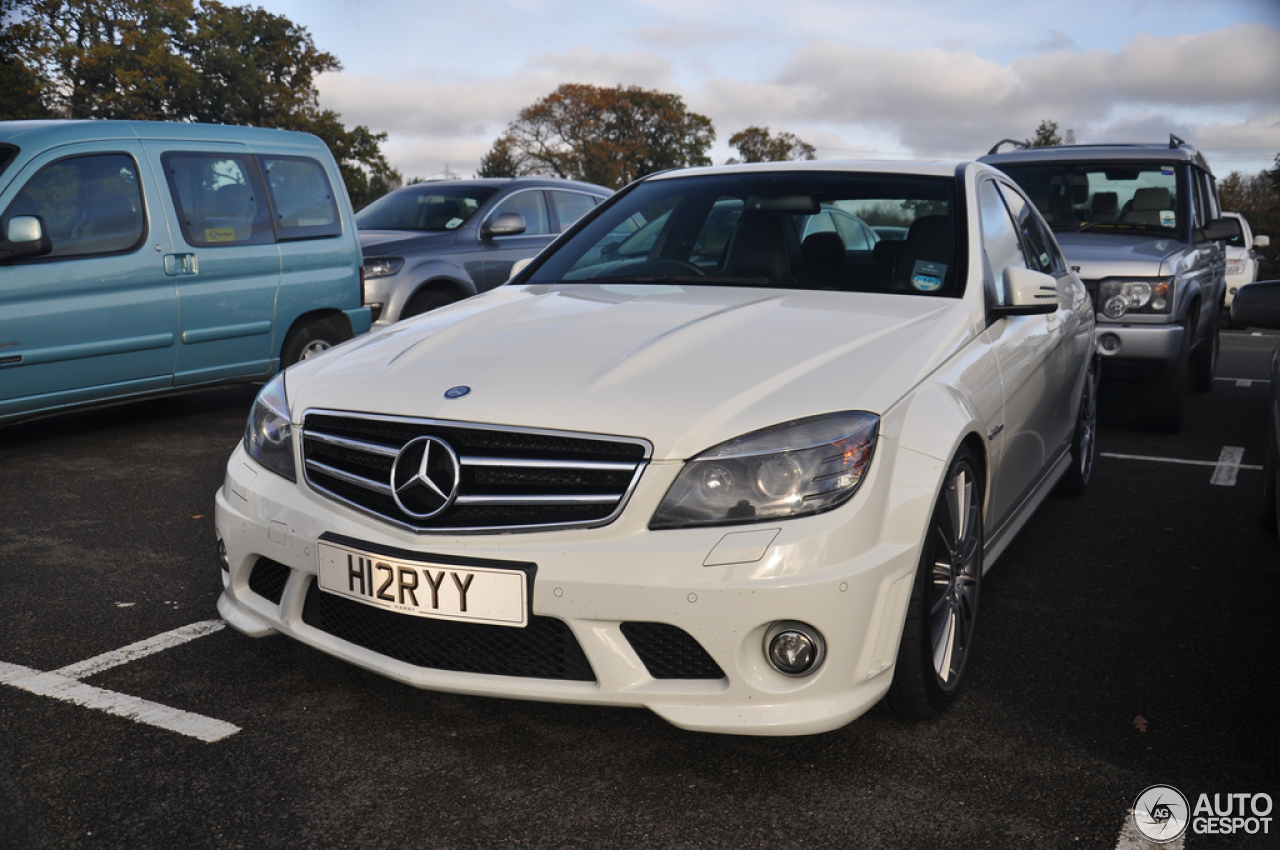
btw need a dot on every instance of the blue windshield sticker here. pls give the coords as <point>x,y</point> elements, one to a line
<point>1166,170</point>
<point>927,275</point>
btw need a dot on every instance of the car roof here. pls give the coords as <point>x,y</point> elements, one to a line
<point>1175,151</point>
<point>932,168</point>
<point>40,134</point>
<point>531,182</point>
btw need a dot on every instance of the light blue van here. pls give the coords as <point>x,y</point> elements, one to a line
<point>146,257</point>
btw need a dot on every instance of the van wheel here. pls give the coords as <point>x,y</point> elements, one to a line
<point>937,638</point>
<point>312,338</point>
<point>425,300</point>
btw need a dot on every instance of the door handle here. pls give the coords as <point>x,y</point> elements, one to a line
<point>180,264</point>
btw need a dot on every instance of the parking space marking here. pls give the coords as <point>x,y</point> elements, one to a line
<point>1225,469</point>
<point>64,684</point>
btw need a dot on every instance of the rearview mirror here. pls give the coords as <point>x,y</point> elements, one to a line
<point>1223,229</point>
<point>25,236</point>
<point>1028,293</point>
<point>1257,305</point>
<point>504,224</point>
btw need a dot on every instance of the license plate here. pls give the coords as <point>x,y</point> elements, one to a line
<point>424,589</point>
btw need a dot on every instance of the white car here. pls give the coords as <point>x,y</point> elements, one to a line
<point>747,482</point>
<point>1242,257</point>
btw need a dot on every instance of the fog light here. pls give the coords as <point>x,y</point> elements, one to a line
<point>794,649</point>
<point>222,556</point>
<point>1109,343</point>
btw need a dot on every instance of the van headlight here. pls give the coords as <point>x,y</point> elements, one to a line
<point>268,436</point>
<point>793,469</point>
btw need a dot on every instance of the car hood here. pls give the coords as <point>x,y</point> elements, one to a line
<point>1099,254</point>
<point>375,243</point>
<point>684,367</point>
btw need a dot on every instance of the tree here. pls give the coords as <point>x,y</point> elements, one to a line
<point>20,86</point>
<point>609,136</point>
<point>1046,135</point>
<point>754,144</point>
<point>174,60</point>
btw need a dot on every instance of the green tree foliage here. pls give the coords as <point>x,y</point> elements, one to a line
<point>180,60</point>
<point>1046,135</point>
<point>20,85</point>
<point>755,144</point>
<point>609,136</point>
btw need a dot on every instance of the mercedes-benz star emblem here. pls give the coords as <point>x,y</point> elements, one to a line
<point>424,478</point>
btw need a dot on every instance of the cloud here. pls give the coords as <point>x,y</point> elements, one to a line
<point>1216,89</point>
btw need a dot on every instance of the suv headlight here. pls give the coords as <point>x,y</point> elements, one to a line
<point>382,266</point>
<point>1119,298</point>
<point>797,468</point>
<point>268,436</point>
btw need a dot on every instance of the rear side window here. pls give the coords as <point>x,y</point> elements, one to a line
<point>303,199</point>
<point>90,205</point>
<point>531,206</point>
<point>571,206</point>
<point>220,199</point>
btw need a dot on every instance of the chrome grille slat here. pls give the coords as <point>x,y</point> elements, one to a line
<point>509,479</point>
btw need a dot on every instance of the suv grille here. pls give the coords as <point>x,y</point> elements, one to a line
<point>507,478</point>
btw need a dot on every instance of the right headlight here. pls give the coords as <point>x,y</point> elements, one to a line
<point>1119,298</point>
<point>268,435</point>
<point>375,267</point>
<point>793,469</point>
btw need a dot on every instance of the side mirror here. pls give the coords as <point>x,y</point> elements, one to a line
<point>1257,305</point>
<point>504,224</point>
<point>1261,241</point>
<point>24,236</point>
<point>1223,229</point>
<point>1028,293</point>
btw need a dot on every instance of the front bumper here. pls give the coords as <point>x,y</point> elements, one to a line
<point>1153,343</point>
<point>847,573</point>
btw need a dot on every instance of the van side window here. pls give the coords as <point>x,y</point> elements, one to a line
<point>90,205</point>
<point>303,199</point>
<point>219,199</point>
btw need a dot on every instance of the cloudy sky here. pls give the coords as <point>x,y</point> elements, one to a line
<point>881,79</point>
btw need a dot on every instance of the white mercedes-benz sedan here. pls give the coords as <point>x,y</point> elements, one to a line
<point>721,451</point>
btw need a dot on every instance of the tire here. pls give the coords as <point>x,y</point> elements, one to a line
<point>312,338</point>
<point>1269,519</point>
<point>937,637</point>
<point>425,300</point>
<point>1163,398</point>
<point>1205,360</point>
<point>1084,443</point>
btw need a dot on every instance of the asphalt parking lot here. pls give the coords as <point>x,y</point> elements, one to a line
<point>1127,639</point>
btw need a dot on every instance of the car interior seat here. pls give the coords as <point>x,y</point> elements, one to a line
<point>1147,204</point>
<point>758,249</point>
<point>929,251</point>
<point>822,261</point>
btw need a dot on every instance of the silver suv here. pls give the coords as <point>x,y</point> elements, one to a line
<point>1142,227</point>
<point>428,244</point>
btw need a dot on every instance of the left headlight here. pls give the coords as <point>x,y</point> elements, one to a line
<point>1119,298</point>
<point>268,435</point>
<point>797,468</point>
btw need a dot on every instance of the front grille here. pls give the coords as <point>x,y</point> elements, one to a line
<point>545,649</point>
<point>669,652</point>
<point>509,478</point>
<point>268,578</point>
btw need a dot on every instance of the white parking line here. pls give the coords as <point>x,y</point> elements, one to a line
<point>1131,839</point>
<point>64,684</point>
<point>1225,468</point>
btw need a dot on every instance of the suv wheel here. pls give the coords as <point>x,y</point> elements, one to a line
<point>1205,360</point>
<point>1163,397</point>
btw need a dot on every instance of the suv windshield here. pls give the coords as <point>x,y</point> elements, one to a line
<point>1075,196</point>
<point>799,230</point>
<point>424,207</point>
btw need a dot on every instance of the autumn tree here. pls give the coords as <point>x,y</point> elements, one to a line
<point>1257,198</point>
<point>755,144</point>
<point>609,136</point>
<point>182,61</point>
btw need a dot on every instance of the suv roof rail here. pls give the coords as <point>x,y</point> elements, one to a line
<point>1175,142</point>
<point>1022,146</point>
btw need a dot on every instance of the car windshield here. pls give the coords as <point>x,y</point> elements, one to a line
<point>425,207</point>
<point>1106,196</point>
<point>792,229</point>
